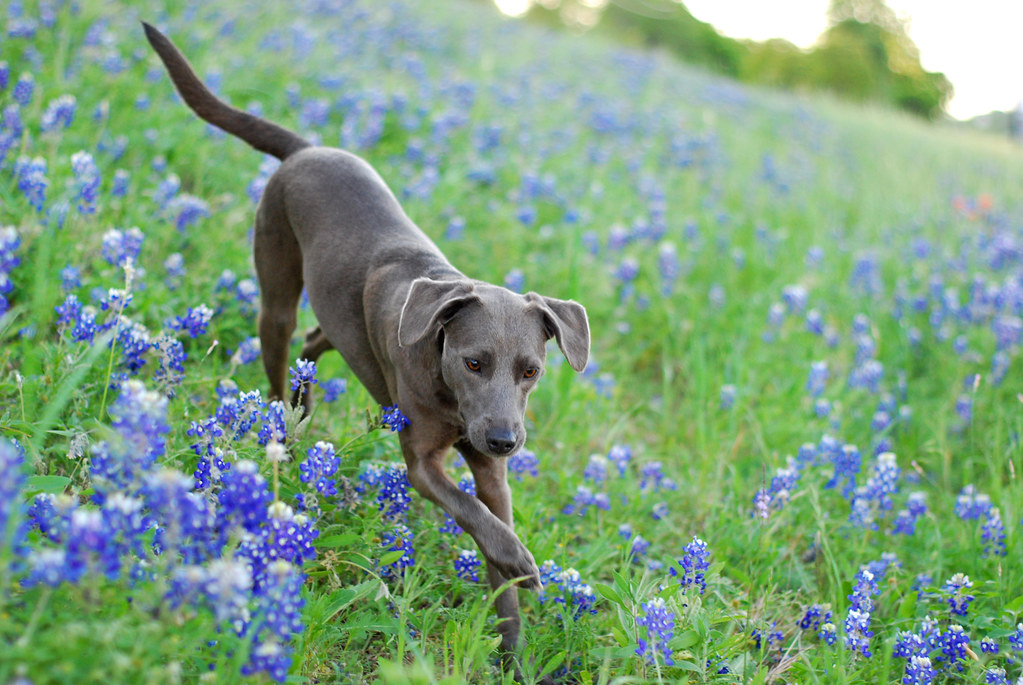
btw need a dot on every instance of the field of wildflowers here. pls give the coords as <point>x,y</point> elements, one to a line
<point>793,457</point>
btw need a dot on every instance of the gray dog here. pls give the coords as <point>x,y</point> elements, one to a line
<point>458,356</point>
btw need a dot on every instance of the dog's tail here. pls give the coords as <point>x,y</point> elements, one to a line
<point>259,133</point>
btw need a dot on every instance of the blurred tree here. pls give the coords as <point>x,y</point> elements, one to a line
<point>865,54</point>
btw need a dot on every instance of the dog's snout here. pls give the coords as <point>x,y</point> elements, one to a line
<point>501,441</point>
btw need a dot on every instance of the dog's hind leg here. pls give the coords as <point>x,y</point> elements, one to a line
<point>278,261</point>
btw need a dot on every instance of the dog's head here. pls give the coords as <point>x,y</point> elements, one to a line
<point>492,343</point>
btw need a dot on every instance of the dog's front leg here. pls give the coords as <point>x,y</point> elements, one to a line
<point>497,541</point>
<point>491,476</point>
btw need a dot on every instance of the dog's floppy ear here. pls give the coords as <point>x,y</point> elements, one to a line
<point>431,304</point>
<point>566,321</point>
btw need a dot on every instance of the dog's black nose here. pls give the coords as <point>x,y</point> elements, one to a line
<point>501,440</point>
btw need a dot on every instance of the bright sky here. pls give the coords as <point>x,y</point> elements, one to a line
<point>977,44</point>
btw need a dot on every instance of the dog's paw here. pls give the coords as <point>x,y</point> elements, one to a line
<point>513,561</point>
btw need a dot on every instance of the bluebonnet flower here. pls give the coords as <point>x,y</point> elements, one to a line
<point>46,566</point>
<point>958,599</point>
<point>393,418</point>
<point>119,187</point>
<point>875,495</point>
<point>694,564</point>
<point>11,480</point>
<point>244,497</point>
<point>185,520</point>
<point>524,462</point>
<point>140,422</point>
<point>620,456</point>
<point>584,499</point>
<point>303,375</point>
<point>815,617</point>
<point>668,266</point>
<point>23,89</point>
<point>174,265</point>
<point>392,486</point>
<point>639,546</point>
<point>1016,639</point>
<point>248,351</point>
<point>171,356</point>
<point>857,621</point>
<point>70,278</point>
<point>596,469</point>
<point>273,424</point>
<point>86,181</point>
<point>59,113</point>
<point>467,565</point>
<point>5,74</point>
<point>571,593</point>
<point>905,520</point>
<point>333,389</point>
<point>166,190</point>
<point>954,643</point>
<point>993,533</point>
<point>395,539</point>
<point>971,504</point>
<point>846,461</point>
<point>818,378</point>
<point>187,210</point>
<point>867,375</point>
<point>919,671</point>
<point>989,646</point>
<point>761,504</point>
<point>285,535</point>
<point>659,622</point>
<point>32,180</point>
<point>727,399</point>
<point>247,294</point>
<point>119,246</point>
<point>319,467</point>
<point>772,636</point>
<point>658,511</point>
<point>194,321</point>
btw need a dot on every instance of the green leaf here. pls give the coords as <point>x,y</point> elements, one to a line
<point>391,557</point>
<point>552,664</point>
<point>345,597</point>
<point>1015,605</point>
<point>608,593</point>
<point>620,636</point>
<point>908,606</point>
<point>342,540</point>
<point>685,640</point>
<point>53,485</point>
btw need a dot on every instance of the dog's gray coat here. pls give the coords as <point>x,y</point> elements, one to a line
<point>458,356</point>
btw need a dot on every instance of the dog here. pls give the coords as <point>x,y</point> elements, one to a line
<point>458,356</point>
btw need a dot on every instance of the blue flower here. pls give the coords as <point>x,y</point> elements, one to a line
<point>333,389</point>
<point>525,462</point>
<point>659,622</point>
<point>919,671</point>
<point>319,467</point>
<point>971,504</point>
<point>194,321</point>
<point>958,599</point>
<point>572,593</point>
<point>248,351</point>
<point>694,564</point>
<point>303,375</point>
<point>467,565</point>
<point>857,621</point>
<point>244,497</point>
<point>393,418</point>
<point>140,422</point>
<point>398,538</point>
<point>32,180</point>
<point>392,486</point>
<point>12,478</point>
<point>620,456</point>
<point>86,181</point>
<point>993,533</point>
<point>23,89</point>
<point>119,246</point>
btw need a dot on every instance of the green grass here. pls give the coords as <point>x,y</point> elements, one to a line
<point>747,181</point>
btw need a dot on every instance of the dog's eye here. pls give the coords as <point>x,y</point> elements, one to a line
<point>473,365</point>
<point>530,372</point>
